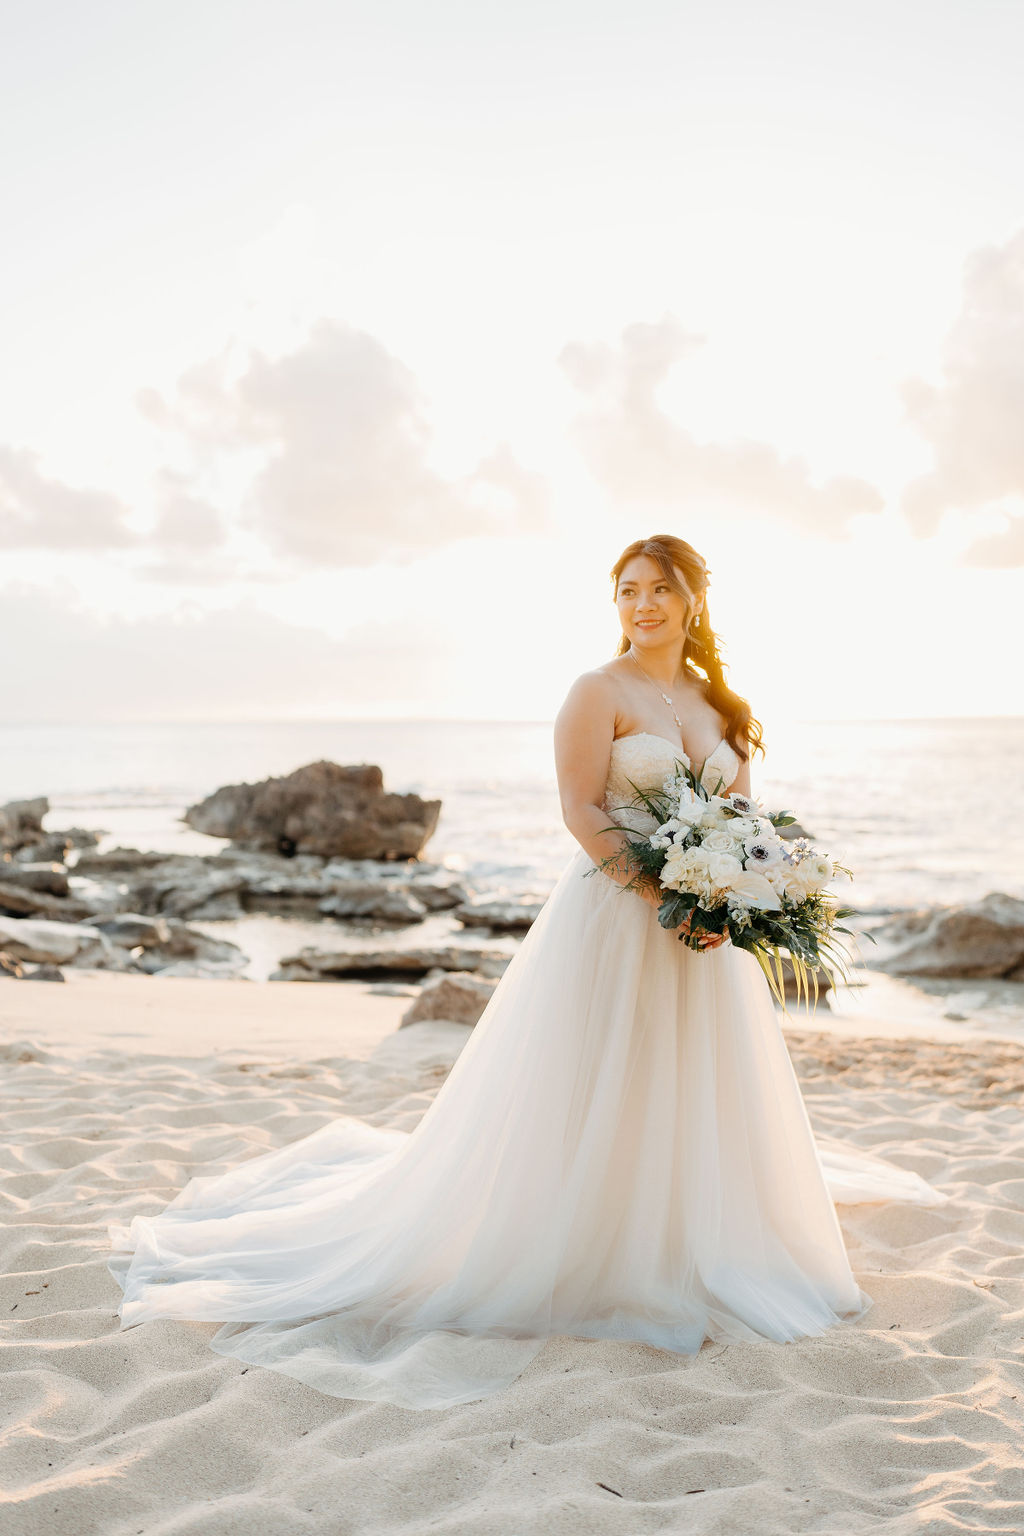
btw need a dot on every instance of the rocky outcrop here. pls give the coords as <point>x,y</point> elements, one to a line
<point>21,900</point>
<point>376,898</point>
<point>458,996</point>
<point>324,808</point>
<point>22,835</point>
<point>500,916</point>
<point>187,952</point>
<point>980,939</point>
<point>47,877</point>
<point>371,964</point>
<point>29,938</point>
<point>21,822</point>
<point>130,942</point>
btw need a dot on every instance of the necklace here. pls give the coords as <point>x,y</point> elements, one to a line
<point>654,685</point>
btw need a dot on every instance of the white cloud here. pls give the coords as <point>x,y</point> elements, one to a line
<point>641,456</point>
<point>345,479</point>
<point>37,512</point>
<point>237,663</point>
<point>974,417</point>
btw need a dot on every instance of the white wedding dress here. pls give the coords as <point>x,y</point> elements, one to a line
<point>621,1151</point>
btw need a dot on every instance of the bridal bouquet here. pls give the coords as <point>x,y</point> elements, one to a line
<point>724,869</point>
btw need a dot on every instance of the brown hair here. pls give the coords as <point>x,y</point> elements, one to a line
<point>701,661</point>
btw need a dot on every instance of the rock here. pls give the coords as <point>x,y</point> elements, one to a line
<point>21,822</point>
<point>30,938</point>
<point>503,916</point>
<point>119,861</point>
<point>219,909</point>
<point>982,938</point>
<point>103,955</point>
<point>45,973</point>
<point>10,968</point>
<point>208,957</point>
<point>458,996</point>
<point>184,900</point>
<point>330,965</point>
<point>794,830</point>
<point>78,837</point>
<point>378,899</point>
<point>437,888</point>
<point>19,900</point>
<point>51,878</point>
<point>323,808</point>
<point>51,848</point>
<point>132,929</point>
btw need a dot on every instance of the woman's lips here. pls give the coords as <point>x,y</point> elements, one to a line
<point>648,623</point>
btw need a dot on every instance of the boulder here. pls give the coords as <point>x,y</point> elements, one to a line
<point>323,808</point>
<point>30,938</point>
<point>458,996</point>
<point>20,900</point>
<point>381,899</point>
<point>21,822</point>
<point>334,965</point>
<point>503,916</point>
<point>133,929</point>
<point>45,973</point>
<point>980,939</point>
<point>51,878</point>
<point>119,861</point>
<point>204,956</point>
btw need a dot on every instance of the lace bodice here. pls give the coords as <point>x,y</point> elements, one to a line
<point>647,760</point>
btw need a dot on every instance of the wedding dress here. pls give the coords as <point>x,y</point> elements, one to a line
<point>621,1151</point>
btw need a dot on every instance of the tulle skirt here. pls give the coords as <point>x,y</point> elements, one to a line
<point>621,1151</point>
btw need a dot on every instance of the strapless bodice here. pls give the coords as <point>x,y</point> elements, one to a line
<point>648,760</point>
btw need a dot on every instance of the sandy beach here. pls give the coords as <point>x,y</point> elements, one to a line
<point>910,1420</point>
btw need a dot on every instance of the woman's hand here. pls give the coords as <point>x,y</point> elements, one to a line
<point>654,896</point>
<point>705,940</point>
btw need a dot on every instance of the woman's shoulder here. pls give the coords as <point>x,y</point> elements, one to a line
<point>593,696</point>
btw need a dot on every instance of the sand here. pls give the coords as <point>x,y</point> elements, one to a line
<point>117,1089</point>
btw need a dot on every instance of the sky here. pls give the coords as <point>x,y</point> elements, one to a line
<point>346,346</point>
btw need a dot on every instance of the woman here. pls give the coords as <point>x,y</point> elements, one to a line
<point>621,1150</point>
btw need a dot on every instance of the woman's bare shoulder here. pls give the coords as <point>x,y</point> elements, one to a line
<point>598,687</point>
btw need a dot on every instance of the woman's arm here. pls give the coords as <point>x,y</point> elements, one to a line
<point>584,731</point>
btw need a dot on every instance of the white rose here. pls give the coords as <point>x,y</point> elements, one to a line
<point>718,841</point>
<point>742,827</point>
<point>724,868</point>
<point>816,870</point>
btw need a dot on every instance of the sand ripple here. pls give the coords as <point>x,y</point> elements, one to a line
<point>909,1421</point>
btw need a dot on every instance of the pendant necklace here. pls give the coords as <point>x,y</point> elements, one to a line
<point>664,695</point>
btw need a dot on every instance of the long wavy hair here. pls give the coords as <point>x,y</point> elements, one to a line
<point>701,660</point>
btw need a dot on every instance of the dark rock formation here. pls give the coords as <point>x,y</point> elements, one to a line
<point>983,938</point>
<point>333,965</point>
<point>323,808</point>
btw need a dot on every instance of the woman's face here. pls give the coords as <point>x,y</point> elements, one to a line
<point>650,611</point>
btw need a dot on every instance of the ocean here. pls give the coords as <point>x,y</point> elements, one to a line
<point>923,811</point>
<point>917,809</point>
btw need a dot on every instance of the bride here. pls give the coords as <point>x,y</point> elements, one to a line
<point>621,1151</point>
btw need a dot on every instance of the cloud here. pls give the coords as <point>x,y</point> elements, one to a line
<point>39,513</point>
<point>188,541</point>
<point>974,417</point>
<point>236,663</point>
<point>1002,549</point>
<point>345,478</point>
<point>639,454</point>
